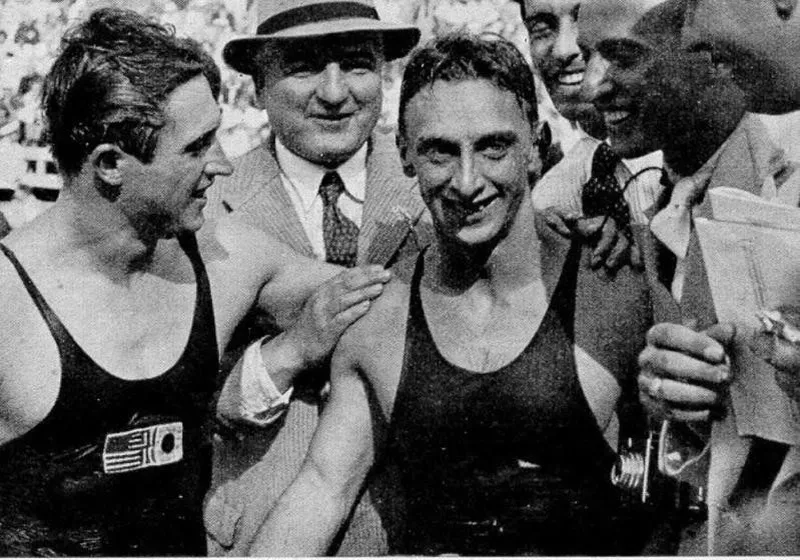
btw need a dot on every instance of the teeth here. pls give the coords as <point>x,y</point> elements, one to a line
<point>573,79</point>
<point>614,117</point>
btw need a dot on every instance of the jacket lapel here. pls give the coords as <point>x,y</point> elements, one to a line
<point>392,205</point>
<point>262,201</point>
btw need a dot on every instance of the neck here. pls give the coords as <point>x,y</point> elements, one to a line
<point>686,152</point>
<point>95,235</point>
<point>503,267</point>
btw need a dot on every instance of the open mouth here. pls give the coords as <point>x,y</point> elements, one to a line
<point>471,212</point>
<point>332,118</point>
<point>200,194</point>
<point>570,79</point>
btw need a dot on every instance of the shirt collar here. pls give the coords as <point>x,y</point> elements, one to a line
<point>306,176</point>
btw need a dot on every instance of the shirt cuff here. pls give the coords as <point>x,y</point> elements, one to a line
<point>250,395</point>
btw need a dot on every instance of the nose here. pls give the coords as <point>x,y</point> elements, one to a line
<point>565,46</point>
<point>217,162</point>
<point>332,88</point>
<point>468,180</point>
<point>596,82</point>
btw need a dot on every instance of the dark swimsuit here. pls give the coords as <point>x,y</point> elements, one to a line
<point>59,496</point>
<point>507,462</point>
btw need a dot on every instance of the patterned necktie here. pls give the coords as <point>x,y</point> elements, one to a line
<point>339,232</point>
<point>666,261</point>
<point>602,194</point>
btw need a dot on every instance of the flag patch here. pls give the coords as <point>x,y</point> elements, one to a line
<point>150,446</point>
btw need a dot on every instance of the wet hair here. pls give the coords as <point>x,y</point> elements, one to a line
<point>110,83</point>
<point>461,56</point>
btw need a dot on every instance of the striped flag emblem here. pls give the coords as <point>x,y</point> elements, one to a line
<point>141,448</point>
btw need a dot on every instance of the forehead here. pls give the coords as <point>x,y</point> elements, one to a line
<point>557,7</point>
<point>611,20</point>
<point>757,20</point>
<point>463,111</point>
<point>191,111</point>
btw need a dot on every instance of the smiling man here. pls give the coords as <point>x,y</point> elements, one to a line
<point>331,187</point>
<point>121,298</point>
<point>654,92</point>
<point>552,27</point>
<point>503,356</point>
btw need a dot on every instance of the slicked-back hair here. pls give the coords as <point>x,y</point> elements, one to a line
<point>110,83</point>
<point>461,56</point>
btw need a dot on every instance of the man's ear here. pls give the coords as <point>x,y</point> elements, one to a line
<point>107,161</point>
<point>402,147</point>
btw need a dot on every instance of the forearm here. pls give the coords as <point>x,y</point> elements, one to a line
<point>284,360</point>
<point>305,520</point>
<point>258,389</point>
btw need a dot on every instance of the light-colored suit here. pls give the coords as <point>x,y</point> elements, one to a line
<point>250,475</point>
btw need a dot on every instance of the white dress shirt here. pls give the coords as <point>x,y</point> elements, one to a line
<point>301,178</point>
<point>250,396</point>
<point>562,186</point>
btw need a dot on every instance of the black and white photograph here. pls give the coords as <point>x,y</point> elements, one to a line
<point>372,278</point>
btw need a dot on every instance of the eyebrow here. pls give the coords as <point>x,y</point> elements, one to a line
<point>426,144</point>
<point>205,140</point>
<point>435,142</point>
<point>505,137</point>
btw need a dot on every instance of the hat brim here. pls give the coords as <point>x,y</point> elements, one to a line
<point>398,40</point>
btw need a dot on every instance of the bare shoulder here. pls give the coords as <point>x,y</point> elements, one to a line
<point>374,344</point>
<point>29,363</point>
<point>240,253</point>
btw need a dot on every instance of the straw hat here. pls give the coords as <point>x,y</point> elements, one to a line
<point>295,19</point>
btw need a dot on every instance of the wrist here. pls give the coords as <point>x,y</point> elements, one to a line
<point>285,359</point>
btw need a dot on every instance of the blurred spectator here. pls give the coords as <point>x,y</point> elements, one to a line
<point>29,113</point>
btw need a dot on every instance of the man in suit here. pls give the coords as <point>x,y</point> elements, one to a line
<point>655,93</point>
<point>331,187</point>
<point>684,371</point>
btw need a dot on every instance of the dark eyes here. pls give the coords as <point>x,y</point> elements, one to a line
<point>540,28</point>
<point>355,63</point>
<point>495,151</point>
<point>441,154</point>
<point>623,55</point>
<point>201,146</point>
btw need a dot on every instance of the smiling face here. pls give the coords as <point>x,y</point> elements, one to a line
<point>653,93</point>
<point>324,96</point>
<point>553,32</point>
<point>760,39</point>
<point>616,81</point>
<point>166,196</point>
<point>469,144</point>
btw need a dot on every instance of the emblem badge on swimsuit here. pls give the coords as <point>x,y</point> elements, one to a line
<point>142,448</point>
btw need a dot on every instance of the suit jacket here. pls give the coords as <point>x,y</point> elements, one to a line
<point>748,161</point>
<point>250,475</point>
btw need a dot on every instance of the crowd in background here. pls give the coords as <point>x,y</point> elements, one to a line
<point>30,33</point>
<point>31,30</point>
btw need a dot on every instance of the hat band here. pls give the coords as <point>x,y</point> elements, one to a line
<point>315,13</point>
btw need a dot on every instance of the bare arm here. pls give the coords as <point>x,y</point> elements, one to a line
<point>324,316</point>
<point>310,513</point>
<point>313,300</point>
